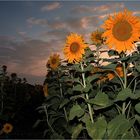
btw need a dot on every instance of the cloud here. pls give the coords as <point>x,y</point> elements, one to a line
<point>23,35</point>
<point>7,43</point>
<point>50,7</point>
<point>103,16</point>
<point>83,25</point>
<point>58,31</point>
<point>98,9</point>
<point>57,24</point>
<point>69,23</point>
<point>76,24</point>
<point>136,13</point>
<point>27,57</point>
<point>35,21</point>
<point>55,35</point>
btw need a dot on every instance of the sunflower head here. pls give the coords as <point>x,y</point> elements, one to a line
<point>110,76</point>
<point>121,30</point>
<point>54,61</point>
<point>119,70</point>
<point>96,37</point>
<point>95,70</point>
<point>7,128</point>
<point>74,48</point>
<point>45,90</point>
<point>102,79</point>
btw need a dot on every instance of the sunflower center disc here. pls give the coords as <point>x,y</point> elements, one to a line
<point>53,61</point>
<point>122,30</point>
<point>8,128</point>
<point>74,47</point>
<point>98,37</point>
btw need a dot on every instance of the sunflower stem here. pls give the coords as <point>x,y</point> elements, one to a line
<point>132,81</point>
<point>64,109</point>
<point>98,54</point>
<point>135,84</point>
<point>98,60</point>
<point>128,110</point>
<point>47,118</point>
<point>125,75</point>
<point>61,92</point>
<point>118,108</point>
<point>87,96</point>
<point>124,85</point>
<point>123,108</point>
<point>2,97</point>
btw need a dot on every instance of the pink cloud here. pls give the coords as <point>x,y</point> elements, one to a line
<point>34,73</point>
<point>98,9</point>
<point>105,15</point>
<point>50,7</point>
<point>84,22</point>
<point>136,13</point>
<point>111,14</point>
<point>57,24</point>
<point>35,21</point>
<point>29,57</point>
<point>38,68</point>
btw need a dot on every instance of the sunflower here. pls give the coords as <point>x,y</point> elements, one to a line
<point>95,70</point>
<point>74,48</point>
<point>102,79</point>
<point>54,61</point>
<point>121,30</point>
<point>45,89</point>
<point>119,71</point>
<point>96,37</point>
<point>98,70</point>
<point>110,76</point>
<point>7,128</point>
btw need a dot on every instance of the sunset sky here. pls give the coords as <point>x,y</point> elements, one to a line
<point>32,30</point>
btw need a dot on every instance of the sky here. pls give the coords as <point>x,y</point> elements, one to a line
<point>31,31</point>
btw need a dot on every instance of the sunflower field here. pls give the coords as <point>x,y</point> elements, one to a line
<point>18,103</point>
<point>86,96</point>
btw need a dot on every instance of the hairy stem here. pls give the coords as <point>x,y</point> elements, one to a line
<point>122,83</point>
<point>2,97</point>
<point>135,84</point>
<point>47,118</point>
<point>124,86</point>
<point>87,96</point>
<point>125,75</point>
<point>128,111</point>
<point>65,113</point>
